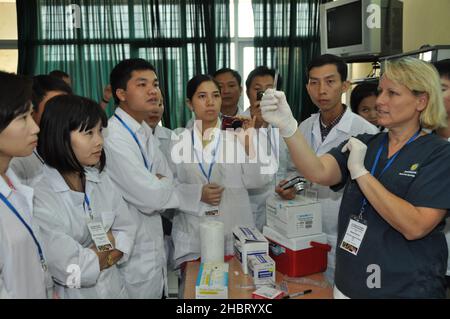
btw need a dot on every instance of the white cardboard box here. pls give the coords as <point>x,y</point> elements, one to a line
<point>248,241</point>
<point>301,216</point>
<point>212,281</point>
<point>262,270</point>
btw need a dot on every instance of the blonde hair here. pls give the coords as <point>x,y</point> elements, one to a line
<point>420,77</point>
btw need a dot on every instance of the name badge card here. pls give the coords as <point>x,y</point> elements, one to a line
<point>99,236</point>
<point>212,210</point>
<point>354,235</point>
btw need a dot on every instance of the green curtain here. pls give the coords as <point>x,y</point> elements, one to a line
<point>287,38</point>
<point>181,38</point>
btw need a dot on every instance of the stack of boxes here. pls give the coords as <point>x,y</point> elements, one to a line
<point>251,248</point>
<point>294,231</point>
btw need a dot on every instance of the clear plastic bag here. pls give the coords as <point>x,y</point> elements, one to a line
<point>307,281</point>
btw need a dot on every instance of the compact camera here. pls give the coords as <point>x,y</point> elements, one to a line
<point>259,95</point>
<point>297,182</point>
<point>230,122</point>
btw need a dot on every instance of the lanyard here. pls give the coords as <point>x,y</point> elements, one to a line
<point>388,164</point>
<point>13,209</point>
<point>136,140</point>
<point>207,176</point>
<point>87,203</point>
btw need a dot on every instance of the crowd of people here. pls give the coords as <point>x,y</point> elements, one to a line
<point>102,208</point>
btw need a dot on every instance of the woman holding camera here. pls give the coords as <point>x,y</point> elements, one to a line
<point>214,171</point>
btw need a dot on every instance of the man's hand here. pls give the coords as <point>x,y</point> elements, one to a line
<point>289,193</point>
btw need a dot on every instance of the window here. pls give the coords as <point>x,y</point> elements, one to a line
<point>242,32</point>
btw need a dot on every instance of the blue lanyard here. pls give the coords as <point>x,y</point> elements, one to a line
<point>136,139</point>
<point>13,209</point>
<point>207,176</point>
<point>388,164</point>
<point>87,203</point>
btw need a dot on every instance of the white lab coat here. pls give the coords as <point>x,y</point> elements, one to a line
<point>163,137</point>
<point>61,215</point>
<point>234,206</point>
<point>21,274</point>
<point>27,168</point>
<point>258,196</point>
<point>146,195</point>
<point>350,125</point>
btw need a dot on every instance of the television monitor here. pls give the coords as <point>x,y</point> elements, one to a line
<point>350,28</point>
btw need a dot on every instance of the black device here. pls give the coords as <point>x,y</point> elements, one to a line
<point>230,122</point>
<point>297,182</point>
<point>259,95</point>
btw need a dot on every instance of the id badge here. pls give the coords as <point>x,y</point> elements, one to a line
<point>354,235</point>
<point>99,236</point>
<point>212,210</point>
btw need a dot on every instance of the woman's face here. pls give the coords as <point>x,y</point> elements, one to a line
<point>206,102</point>
<point>20,137</point>
<point>367,109</point>
<point>397,105</point>
<point>87,145</point>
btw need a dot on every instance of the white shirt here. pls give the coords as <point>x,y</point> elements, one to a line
<point>146,195</point>
<point>21,274</point>
<point>163,137</point>
<point>350,125</point>
<point>27,168</point>
<point>234,206</point>
<point>61,214</point>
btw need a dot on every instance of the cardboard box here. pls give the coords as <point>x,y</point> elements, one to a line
<point>262,270</point>
<point>293,218</point>
<point>267,293</point>
<point>248,241</point>
<point>299,256</point>
<point>212,281</point>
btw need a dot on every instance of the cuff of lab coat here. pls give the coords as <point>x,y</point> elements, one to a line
<point>124,244</point>
<point>90,268</point>
<point>190,195</point>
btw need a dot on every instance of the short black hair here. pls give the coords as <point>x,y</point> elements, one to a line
<point>62,115</point>
<point>59,74</point>
<point>360,92</point>
<point>262,71</point>
<point>121,74</point>
<point>42,84</point>
<point>195,82</point>
<point>234,73</point>
<point>15,97</point>
<point>329,59</point>
<point>443,68</point>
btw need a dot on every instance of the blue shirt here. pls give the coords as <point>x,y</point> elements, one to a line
<point>409,268</point>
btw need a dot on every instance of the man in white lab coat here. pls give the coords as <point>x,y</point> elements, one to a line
<point>334,124</point>
<point>141,172</point>
<point>259,80</point>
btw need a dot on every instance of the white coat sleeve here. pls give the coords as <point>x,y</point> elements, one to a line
<point>3,292</point>
<point>61,250</point>
<point>138,186</point>
<point>190,195</point>
<point>124,226</point>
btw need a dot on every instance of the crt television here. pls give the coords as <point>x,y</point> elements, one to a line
<point>361,27</point>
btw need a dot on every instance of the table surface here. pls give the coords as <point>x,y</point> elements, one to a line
<point>240,286</point>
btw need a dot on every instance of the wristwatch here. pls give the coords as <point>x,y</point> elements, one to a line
<point>110,260</point>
